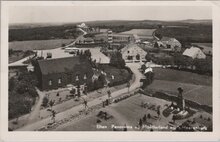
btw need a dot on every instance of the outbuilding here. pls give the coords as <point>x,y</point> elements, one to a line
<point>194,53</point>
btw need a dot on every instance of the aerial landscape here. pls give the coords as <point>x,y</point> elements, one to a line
<point>111,75</point>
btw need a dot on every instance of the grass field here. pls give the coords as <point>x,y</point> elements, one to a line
<point>198,93</point>
<point>38,44</point>
<point>196,87</point>
<point>182,76</point>
<point>143,32</point>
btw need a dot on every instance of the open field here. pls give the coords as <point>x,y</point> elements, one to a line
<point>197,93</point>
<point>182,76</point>
<point>196,87</point>
<point>38,44</point>
<point>143,32</point>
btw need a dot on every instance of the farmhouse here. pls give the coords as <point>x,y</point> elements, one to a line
<point>132,52</point>
<point>170,44</point>
<point>55,73</point>
<point>194,52</point>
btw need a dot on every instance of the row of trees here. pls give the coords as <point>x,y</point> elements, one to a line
<point>43,33</point>
<point>202,66</point>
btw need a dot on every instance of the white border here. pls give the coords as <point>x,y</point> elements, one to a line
<point>108,136</point>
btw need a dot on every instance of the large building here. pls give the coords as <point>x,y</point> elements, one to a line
<point>55,73</point>
<point>133,53</point>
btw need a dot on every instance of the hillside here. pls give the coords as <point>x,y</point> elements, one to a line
<point>45,31</point>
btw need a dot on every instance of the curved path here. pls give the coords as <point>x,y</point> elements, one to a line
<point>36,112</point>
<point>74,110</point>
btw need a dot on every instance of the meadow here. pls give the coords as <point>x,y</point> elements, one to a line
<point>38,44</point>
<point>143,32</point>
<point>196,87</point>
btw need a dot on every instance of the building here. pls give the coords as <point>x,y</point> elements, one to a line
<point>122,38</point>
<point>30,68</point>
<point>132,53</point>
<point>171,44</point>
<point>55,73</point>
<point>195,53</point>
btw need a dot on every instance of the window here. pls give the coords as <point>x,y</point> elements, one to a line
<point>59,81</point>
<point>50,82</point>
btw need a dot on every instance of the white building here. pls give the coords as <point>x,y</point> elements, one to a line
<point>133,53</point>
<point>195,53</point>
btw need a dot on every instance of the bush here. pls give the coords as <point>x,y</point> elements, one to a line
<point>45,102</point>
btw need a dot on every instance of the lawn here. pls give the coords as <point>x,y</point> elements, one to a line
<point>196,87</point>
<point>182,76</point>
<point>38,44</point>
<point>143,32</point>
<point>198,93</point>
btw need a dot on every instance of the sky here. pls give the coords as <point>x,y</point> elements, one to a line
<point>70,14</point>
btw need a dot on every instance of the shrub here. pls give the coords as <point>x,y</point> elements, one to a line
<point>45,102</point>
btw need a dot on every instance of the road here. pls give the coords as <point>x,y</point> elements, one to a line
<point>78,38</point>
<point>36,111</point>
<point>74,110</point>
<point>20,62</point>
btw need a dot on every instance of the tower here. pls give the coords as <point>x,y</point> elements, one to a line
<point>110,38</point>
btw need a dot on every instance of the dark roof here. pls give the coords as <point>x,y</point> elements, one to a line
<point>61,65</point>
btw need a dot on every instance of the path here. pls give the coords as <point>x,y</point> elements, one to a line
<point>35,114</point>
<point>74,110</point>
<point>79,37</point>
<point>20,62</point>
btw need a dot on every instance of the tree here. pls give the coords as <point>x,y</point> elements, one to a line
<point>117,60</point>
<point>203,66</point>
<point>149,79</point>
<point>143,67</point>
<point>11,83</point>
<point>51,103</point>
<point>156,45</point>
<point>45,101</point>
<point>145,118</point>
<point>138,56</point>
<point>53,115</point>
<point>174,118</point>
<point>140,123</point>
<point>158,112</point>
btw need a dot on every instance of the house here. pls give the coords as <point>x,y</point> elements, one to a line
<point>171,44</point>
<point>132,52</point>
<point>195,53</point>
<point>55,73</point>
<point>122,38</point>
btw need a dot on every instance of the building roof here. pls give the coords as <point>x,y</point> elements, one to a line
<point>61,65</point>
<point>129,46</point>
<point>194,52</point>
